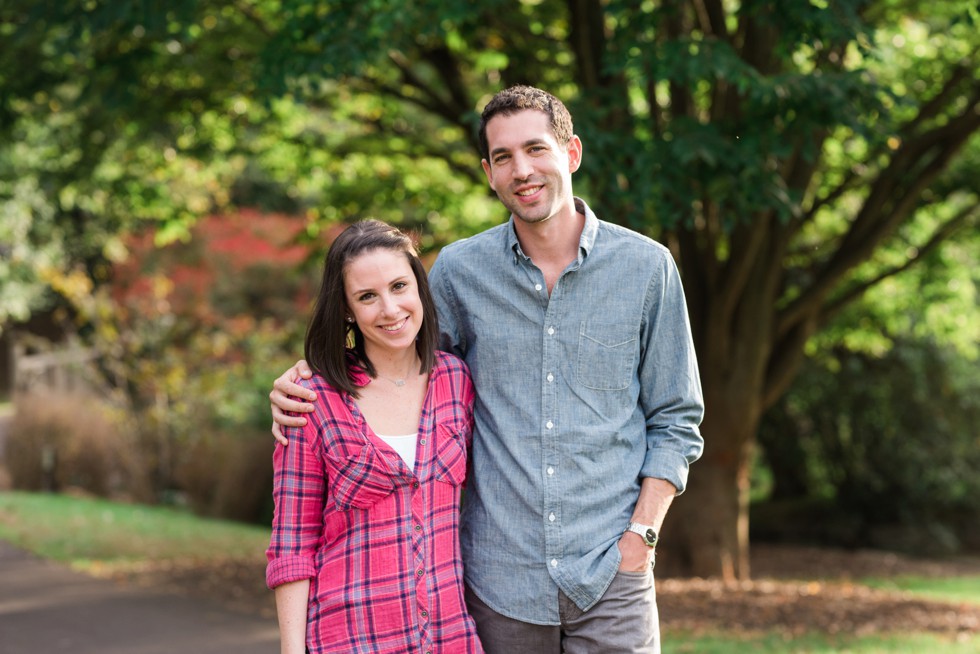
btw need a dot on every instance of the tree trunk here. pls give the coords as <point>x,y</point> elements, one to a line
<point>706,533</point>
<point>708,526</point>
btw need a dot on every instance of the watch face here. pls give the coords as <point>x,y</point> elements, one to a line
<point>651,536</point>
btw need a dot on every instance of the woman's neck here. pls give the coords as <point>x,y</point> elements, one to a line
<point>398,366</point>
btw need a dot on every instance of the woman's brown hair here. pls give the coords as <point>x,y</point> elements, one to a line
<point>332,343</point>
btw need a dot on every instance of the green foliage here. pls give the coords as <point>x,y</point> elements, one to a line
<point>27,250</point>
<point>888,440</point>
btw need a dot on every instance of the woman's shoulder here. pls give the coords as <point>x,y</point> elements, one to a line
<point>451,377</point>
<point>446,362</point>
<point>325,393</point>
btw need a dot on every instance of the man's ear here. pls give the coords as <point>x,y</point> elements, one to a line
<point>574,151</point>
<point>488,171</point>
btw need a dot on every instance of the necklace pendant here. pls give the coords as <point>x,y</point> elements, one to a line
<point>399,382</point>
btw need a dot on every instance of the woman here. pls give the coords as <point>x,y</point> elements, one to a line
<point>364,555</point>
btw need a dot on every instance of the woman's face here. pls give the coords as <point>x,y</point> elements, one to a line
<point>383,298</point>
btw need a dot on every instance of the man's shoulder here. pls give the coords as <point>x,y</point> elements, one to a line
<point>479,244</point>
<point>626,241</point>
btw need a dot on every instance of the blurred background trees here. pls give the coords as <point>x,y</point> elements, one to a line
<point>812,166</point>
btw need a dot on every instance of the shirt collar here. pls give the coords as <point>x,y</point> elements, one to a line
<point>357,374</point>
<point>586,241</point>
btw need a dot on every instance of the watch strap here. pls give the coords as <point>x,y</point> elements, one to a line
<point>646,532</point>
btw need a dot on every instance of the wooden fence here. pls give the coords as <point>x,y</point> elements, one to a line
<point>59,371</point>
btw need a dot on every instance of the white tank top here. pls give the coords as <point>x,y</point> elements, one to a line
<point>404,446</point>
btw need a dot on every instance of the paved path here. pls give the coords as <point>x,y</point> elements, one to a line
<point>46,608</point>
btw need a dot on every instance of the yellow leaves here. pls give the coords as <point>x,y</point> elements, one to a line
<point>162,286</point>
<point>74,285</point>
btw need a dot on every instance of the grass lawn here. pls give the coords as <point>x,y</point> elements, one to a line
<point>92,532</point>
<point>965,588</point>
<point>774,643</point>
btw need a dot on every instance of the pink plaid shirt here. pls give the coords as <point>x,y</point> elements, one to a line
<point>378,541</point>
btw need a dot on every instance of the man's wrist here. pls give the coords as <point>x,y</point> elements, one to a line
<point>646,532</point>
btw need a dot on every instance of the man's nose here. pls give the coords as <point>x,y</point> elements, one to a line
<point>522,166</point>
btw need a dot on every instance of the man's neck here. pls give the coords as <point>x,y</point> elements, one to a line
<point>552,244</point>
<point>555,240</point>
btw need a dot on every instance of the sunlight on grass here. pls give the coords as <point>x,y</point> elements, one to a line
<point>726,643</point>
<point>965,588</point>
<point>82,531</point>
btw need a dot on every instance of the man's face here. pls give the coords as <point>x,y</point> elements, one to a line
<point>528,169</point>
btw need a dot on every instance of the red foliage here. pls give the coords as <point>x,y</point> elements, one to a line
<point>222,250</point>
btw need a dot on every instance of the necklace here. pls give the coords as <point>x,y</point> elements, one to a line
<point>397,382</point>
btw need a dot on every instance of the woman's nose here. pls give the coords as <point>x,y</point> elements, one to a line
<point>388,305</point>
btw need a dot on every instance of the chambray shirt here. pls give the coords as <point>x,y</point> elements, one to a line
<point>580,395</point>
<point>378,542</point>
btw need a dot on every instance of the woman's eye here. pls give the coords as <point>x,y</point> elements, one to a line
<point>399,285</point>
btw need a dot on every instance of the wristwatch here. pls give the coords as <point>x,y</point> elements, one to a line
<point>648,534</point>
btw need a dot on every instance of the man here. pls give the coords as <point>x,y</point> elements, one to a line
<point>588,398</point>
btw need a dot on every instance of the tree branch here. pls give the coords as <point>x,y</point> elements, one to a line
<point>447,65</point>
<point>587,40</point>
<point>248,11</point>
<point>892,199</point>
<point>757,42</point>
<point>711,15</point>
<point>940,235</point>
<point>961,72</point>
<point>746,245</point>
<point>928,110</point>
<point>432,102</point>
<point>788,353</point>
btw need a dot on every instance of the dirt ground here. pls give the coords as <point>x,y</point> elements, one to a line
<point>798,589</point>
<point>794,590</point>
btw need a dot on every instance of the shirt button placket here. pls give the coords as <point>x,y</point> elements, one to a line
<point>417,538</point>
<point>549,405</point>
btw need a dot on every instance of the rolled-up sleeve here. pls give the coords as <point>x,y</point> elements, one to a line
<point>670,384</point>
<point>297,524</point>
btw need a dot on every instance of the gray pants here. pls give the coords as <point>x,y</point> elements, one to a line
<point>624,620</point>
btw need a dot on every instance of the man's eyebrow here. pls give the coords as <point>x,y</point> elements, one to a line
<point>525,144</point>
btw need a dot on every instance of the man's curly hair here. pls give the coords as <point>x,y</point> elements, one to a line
<point>518,98</point>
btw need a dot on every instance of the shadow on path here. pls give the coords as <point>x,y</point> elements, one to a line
<point>47,608</point>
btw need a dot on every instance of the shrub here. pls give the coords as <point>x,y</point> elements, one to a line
<point>69,441</point>
<point>889,442</point>
<point>229,476</point>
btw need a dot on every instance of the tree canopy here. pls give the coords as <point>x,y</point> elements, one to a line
<point>792,155</point>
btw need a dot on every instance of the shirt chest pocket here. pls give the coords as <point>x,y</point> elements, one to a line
<point>450,460</point>
<point>606,356</point>
<point>360,480</point>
